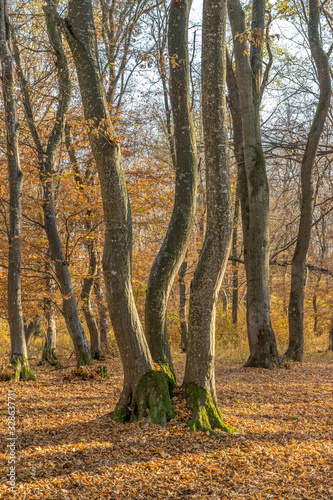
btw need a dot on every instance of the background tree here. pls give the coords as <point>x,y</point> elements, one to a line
<point>19,354</point>
<point>263,351</point>
<point>199,380</point>
<point>298,276</point>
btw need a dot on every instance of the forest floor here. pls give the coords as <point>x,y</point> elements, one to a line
<point>67,447</point>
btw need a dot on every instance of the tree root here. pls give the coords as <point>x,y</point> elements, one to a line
<point>205,414</point>
<point>151,403</point>
<point>21,368</point>
<point>50,356</point>
<point>266,355</point>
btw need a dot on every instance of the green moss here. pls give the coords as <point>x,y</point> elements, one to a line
<point>21,369</point>
<point>50,356</point>
<point>169,372</point>
<point>205,415</point>
<point>121,413</point>
<point>152,399</point>
<point>84,357</point>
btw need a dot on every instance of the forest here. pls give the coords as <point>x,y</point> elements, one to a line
<point>166,257</point>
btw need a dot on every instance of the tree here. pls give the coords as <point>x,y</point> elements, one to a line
<point>298,276</point>
<point>173,249</point>
<point>46,159</point>
<point>199,380</point>
<point>263,351</point>
<point>145,390</point>
<point>19,353</point>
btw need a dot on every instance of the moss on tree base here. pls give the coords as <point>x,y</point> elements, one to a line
<point>50,356</point>
<point>84,358</point>
<point>151,403</point>
<point>168,370</point>
<point>21,368</point>
<point>205,415</point>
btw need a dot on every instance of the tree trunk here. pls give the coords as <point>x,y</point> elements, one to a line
<point>145,393</point>
<point>330,337</point>
<point>46,159</point>
<point>103,320</point>
<point>298,271</point>
<point>315,304</point>
<point>199,381</point>
<point>263,351</point>
<point>33,327</point>
<point>234,251</point>
<point>182,304</point>
<point>173,250</point>
<point>88,283</point>
<point>50,347</point>
<point>19,354</point>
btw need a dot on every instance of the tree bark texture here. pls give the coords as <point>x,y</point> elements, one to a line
<point>182,304</point>
<point>199,380</point>
<point>263,351</point>
<point>46,159</point>
<point>88,282</point>
<point>173,250</point>
<point>234,251</point>
<point>103,320</point>
<point>144,389</point>
<point>298,272</point>
<point>19,354</point>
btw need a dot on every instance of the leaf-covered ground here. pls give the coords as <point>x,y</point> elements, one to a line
<point>67,449</point>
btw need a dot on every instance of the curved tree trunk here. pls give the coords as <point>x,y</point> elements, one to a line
<point>263,351</point>
<point>199,381</point>
<point>19,353</point>
<point>145,393</point>
<point>298,272</point>
<point>173,250</point>
<point>46,159</point>
<point>32,328</point>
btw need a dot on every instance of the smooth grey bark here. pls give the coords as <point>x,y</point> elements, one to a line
<point>19,354</point>
<point>315,304</point>
<point>145,390</point>
<point>182,304</point>
<point>330,337</point>
<point>263,350</point>
<point>234,251</point>
<point>88,282</point>
<point>32,328</point>
<point>298,272</point>
<point>242,190</point>
<point>199,380</point>
<point>103,319</point>
<point>46,160</point>
<point>173,249</point>
<point>50,347</point>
